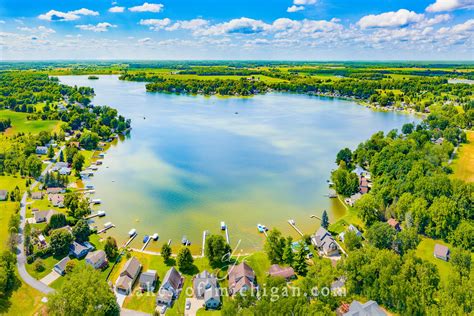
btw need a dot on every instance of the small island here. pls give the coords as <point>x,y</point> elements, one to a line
<point>92,77</point>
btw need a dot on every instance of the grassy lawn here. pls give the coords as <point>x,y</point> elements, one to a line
<point>7,209</point>
<point>21,124</point>
<point>425,251</point>
<point>351,217</point>
<point>48,266</point>
<point>24,301</point>
<point>463,165</point>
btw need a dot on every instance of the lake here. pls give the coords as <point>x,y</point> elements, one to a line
<point>191,162</point>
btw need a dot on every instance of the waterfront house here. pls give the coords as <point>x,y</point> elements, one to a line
<point>3,195</point>
<point>55,190</point>
<point>148,280</point>
<point>60,267</point>
<point>43,216</point>
<point>283,272</point>
<point>78,250</point>
<point>441,252</point>
<point>128,275</point>
<point>65,171</point>
<point>241,278</point>
<point>41,150</point>
<point>57,200</point>
<point>37,195</point>
<point>370,308</point>
<point>59,165</point>
<point>324,242</point>
<point>96,259</point>
<point>353,199</point>
<point>170,288</point>
<point>363,185</point>
<point>350,228</point>
<point>205,287</point>
<point>394,223</point>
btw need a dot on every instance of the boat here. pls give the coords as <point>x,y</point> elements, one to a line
<point>91,191</point>
<point>260,228</point>
<point>223,226</point>
<point>145,239</point>
<point>154,236</point>
<point>108,224</point>
<point>132,232</point>
<point>100,213</point>
<point>291,221</point>
<point>89,186</point>
<point>185,241</point>
<point>265,228</point>
<point>96,201</point>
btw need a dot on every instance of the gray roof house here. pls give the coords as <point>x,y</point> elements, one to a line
<point>37,195</point>
<point>43,216</point>
<point>324,241</point>
<point>170,287</point>
<point>128,275</point>
<point>78,250</point>
<point>60,267</point>
<point>96,259</point>
<point>350,228</point>
<point>3,195</point>
<point>147,280</point>
<point>41,150</point>
<point>441,252</point>
<point>206,287</point>
<point>370,308</point>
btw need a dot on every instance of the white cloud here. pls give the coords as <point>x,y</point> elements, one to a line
<point>304,2</point>
<point>54,15</point>
<point>156,24</point>
<point>449,5</point>
<point>99,27</point>
<point>399,18</point>
<point>294,8</point>
<point>147,7</point>
<point>117,9</point>
<point>193,25</point>
<point>144,40</point>
<point>238,26</point>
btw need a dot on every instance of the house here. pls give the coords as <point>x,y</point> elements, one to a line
<point>78,250</point>
<point>394,223</point>
<point>205,287</point>
<point>283,272</point>
<point>59,165</point>
<point>350,228</point>
<point>3,195</point>
<point>41,150</point>
<point>55,190</point>
<point>96,259</point>
<point>57,200</point>
<point>441,252</point>
<point>43,216</point>
<point>170,288</point>
<point>324,242</point>
<point>65,171</point>
<point>370,308</point>
<point>363,185</point>
<point>42,241</point>
<point>353,199</point>
<point>148,280</point>
<point>241,278</point>
<point>37,195</point>
<point>60,267</point>
<point>128,275</point>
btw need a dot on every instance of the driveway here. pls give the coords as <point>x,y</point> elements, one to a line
<point>120,298</point>
<point>50,278</point>
<point>196,304</point>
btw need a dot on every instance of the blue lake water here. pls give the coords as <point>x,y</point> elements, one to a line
<point>193,161</point>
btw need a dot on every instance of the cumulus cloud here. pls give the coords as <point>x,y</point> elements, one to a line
<point>238,26</point>
<point>117,9</point>
<point>399,18</point>
<point>449,5</point>
<point>193,25</point>
<point>298,5</point>
<point>99,27</point>
<point>144,40</point>
<point>295,8</point>
<point>147,7</point>
<point>54,15</point>
<point>155,24</point>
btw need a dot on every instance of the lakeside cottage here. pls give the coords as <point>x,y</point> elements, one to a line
<point>3,195</point>
<point>394,223</point>
<point>43,216</point>
<point>370,308</point>
<point>205,287</point>
<point>324,242</point>
<point>148,280</point>
<point>128,275</point>
<point>55,190</point>
<point>60,267</point>
<point>441,252</point>
<point>241,278</point>
<point>41,150</point>
<point>37,195</point>
<point>283,272</point>
<point>350,228</point>
<point>97,259</point>
<point>78,250</point>
<point>353,199</point>
<point>56,199</point>
<point>170,288</point>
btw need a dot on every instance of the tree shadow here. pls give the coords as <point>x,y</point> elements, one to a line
<point>5,302</point>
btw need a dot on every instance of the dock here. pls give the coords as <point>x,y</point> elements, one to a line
<point>146,244</point>
<point>265,233</point>
<point>293,224</point>
<point>169,242</point>
<point>103,230</point>
<point>204,235</point>
<point>100,213</point>
<point>227,234</point>
<point>129,240</point>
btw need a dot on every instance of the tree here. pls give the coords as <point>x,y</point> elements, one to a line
<point>274,246</point>
<point>217,249</point>
<point>61,156</point>
<point>381,235</point>
<point>366,207</point>
<point>325,220</point>
<point>57,220</point>
<point>166,252</point>
<point>351,240</point>
<point>110,248</point>
<point>461,261</point>
<point>81,230</point>
<point>8,279</point>
<point>345,182</point>
<point>84,292</point>
<point>60,241</point>
<point>463,235</point>
<point>406,240</point>
<point>78,162</point>
<point>300,265</point>
<point>344,155</point>
<point>50,152</point>
<point>185,259</point>
<point>407,128</point>
<point>39,265</point>
<point>444,219</point>
<point>288,255</point>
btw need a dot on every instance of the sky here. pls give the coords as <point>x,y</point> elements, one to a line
<point>231,29</point>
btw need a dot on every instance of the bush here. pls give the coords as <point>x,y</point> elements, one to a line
<point>39,265</point>
<point>30,259</point>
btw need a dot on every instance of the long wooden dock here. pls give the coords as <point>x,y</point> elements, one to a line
<point>169,242</point>
<point>146,244</point>
<point>204,235</point>
<point>103,230</point>
<point>130,240</point>
<point>93,215</point>
<point>227,234</point>
<point>292,224</point>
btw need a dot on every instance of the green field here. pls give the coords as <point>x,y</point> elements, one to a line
<point>463,165</point>
<point>23,301</point>
<point>20,123</point>
<point>425,251</point>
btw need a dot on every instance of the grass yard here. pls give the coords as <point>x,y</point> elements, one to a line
<point>48,264</point>
<point>24,301</point>
<point>425,251</point>
<point>7,209</point>
<point>463,165</point>
<point>21,124</point>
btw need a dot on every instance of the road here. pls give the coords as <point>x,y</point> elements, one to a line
<point>21,256</point>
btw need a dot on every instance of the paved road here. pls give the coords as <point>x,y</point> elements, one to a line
<point>21,257</point>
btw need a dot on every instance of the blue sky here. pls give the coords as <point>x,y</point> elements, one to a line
<point>212,29</point>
